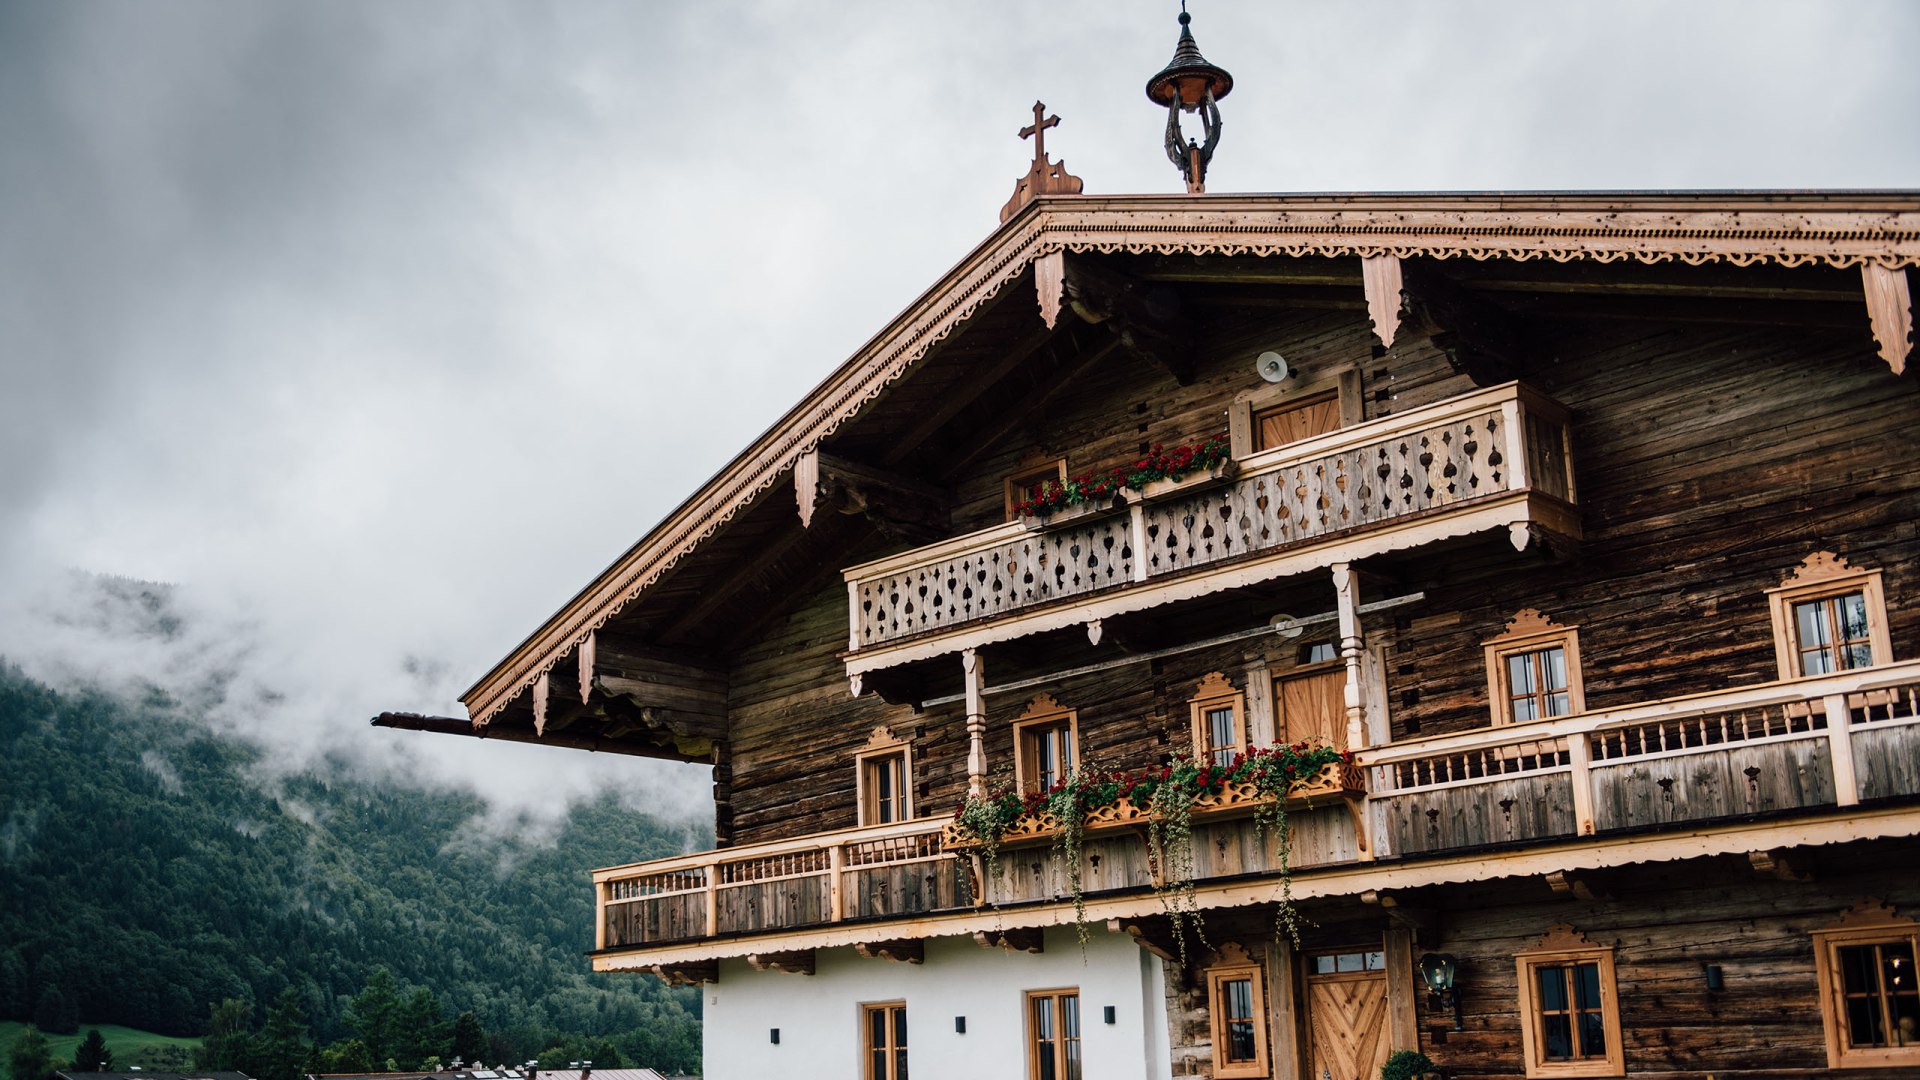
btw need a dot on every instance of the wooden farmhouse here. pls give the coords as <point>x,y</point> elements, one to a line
<point>1567,546</point>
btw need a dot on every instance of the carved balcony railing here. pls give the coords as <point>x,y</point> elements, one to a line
<point>855,874</point>
<point>1504,450</point>
<point>1836,740</point>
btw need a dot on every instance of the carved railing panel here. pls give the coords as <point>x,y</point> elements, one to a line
<point>1426,461</point>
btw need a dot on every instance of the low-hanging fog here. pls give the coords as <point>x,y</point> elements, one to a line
<point>376,330</point>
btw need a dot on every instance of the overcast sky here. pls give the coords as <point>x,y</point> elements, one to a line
<point>380,328</point>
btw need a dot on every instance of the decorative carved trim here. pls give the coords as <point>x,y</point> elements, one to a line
<point>1528,622</point>
<point>1024,939</point>
<point>1817,567</point>
<point>690,974</point>
<point>1868,913</point>
<point>1042,705</point>
<point>1050,279</point>
<point>1890,311</point>
<point>883,738</point>
<point>1783,230</point>
<point>1380,274</point>
<point>1561,937</point>
<point>1214,685</point>
<point>1231,952</point>
<point>1777,863</point>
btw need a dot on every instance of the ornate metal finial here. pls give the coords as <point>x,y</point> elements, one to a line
<point>1044,177</point>
<point>1188,83</point>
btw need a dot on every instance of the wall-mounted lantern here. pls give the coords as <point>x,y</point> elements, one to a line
<point>1716,979</point>
<point>1438,970</point>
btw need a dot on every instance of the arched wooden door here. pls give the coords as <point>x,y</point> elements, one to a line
<point>1347,1015</point>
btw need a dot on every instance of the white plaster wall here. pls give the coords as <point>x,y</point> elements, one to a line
<point>819,1015</point>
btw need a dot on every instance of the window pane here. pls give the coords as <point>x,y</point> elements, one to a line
<point>1559,705</point>
<point>1240,1041</point>
<point>1897,958</point>
<point>1069,1016</point>
<point>878,1065</point>
<point>1554,662</point>
<point>1073,1060</point>
<point>1553,987</point>
<point>900,1027</point>
<point>1586,986</point>
<point>877,1028</point>
<point>1853,615</point>
<point>1863,1023</point>
<point>1520,674</point>
<point>1524,710</point>
<point>1239,1003</point>
<point>1323,965</point>
<point>1043,1018</point>
<point>1349,961</point>
<point>1557,1035</point>
<point>1593,1035</point>
<point>1859,656</point>
<point>1811,619</point>
<point>900,1064</point>
<point>1857,974</point>
<point>1376,961</point>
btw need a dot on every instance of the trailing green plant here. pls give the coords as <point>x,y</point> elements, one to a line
<point>1161,463</point>
<point>1167,794</point>
<point>1405,1065</point>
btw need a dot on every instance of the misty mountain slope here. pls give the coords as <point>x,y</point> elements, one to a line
<point>146,870</point>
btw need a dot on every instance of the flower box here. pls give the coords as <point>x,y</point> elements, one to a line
<point>1160,489</point>
<point>1039,522</point>
<point>1335,781</point>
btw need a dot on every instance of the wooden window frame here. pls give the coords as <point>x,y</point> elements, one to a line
<point>1529,632</point>
<point>1869,922</point>
<point>1015,489</point>
<point>1214,691</point>
<point>867,1009</point>
<point>882,744</point>
<point>1043,711</point>
<point>1235,966</point>
<point>1560,946</point>
<point>1059,1041</point>
<point>1344,382</point>
<point>1824,575</point>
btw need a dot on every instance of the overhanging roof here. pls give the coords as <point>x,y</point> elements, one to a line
<point>1837,229</point>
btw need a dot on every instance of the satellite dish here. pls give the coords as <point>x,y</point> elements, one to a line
<point>1272,366</point>
<point>1279,622</point>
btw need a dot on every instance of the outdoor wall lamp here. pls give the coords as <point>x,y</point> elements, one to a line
<point>1716,979</point>
<point>775,1032</point>
<point>1108,1015</point>
<point>959,1025</point>
<point>1437,970</point>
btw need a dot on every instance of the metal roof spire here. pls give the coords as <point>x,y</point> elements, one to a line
<point>1190,84</point>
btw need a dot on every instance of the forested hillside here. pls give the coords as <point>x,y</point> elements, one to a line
<point>148,872</point>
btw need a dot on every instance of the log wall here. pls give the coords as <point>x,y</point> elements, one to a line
<point>1710,461</point>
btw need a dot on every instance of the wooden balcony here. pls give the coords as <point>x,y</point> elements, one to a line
<point>1832,741</point>
<point>1721,760</point>
<point>1493,458</point>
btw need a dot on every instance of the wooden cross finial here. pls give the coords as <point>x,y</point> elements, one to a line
<point>1038,130</point>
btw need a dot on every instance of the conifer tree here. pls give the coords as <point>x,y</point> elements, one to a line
<point>374,1013</point>
<point>229,1043</point>
<point>284,1045</point>
<point>469,1039</point>
<point>93,1054</point>
<point>29,1058</point>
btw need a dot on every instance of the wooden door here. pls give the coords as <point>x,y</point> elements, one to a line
<point>1347,1016</point>
<point>1311,704</point>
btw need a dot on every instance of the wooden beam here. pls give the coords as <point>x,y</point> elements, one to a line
<point>1573,886</point>
<point>1890,312</point>
<point>1027,939</point>
<point>900,507</point>
<point>1152,934</point>
<point>798,962</point>
<point>989,437</point>
<point>904,951</point>
<point>447,725</point>
<point>687,974</point>
<point>1148,319</point>
<point>1778,863</point>
<point>1480,340</point>
<point>722,592</point>
<point>953,403</point>
<point>1403,1023</point>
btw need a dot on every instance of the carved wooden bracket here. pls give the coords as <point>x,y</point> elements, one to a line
<point>799,962</point>
<point>901,507</point>
<point>1155,935</point>
<point>689,974</point>
<point>1777,864</point>
<point>1890,311</point>
<point>891,687</point>
<point>1480,340</point>
<point>1565,883</point>
<point>1148,319</point>
<point>1026,939</point>
<point>906,951</point>
<point>1417,919</point>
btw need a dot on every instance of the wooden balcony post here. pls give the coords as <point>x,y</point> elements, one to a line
<point>976,680</point>
<point>601,890</point>
<point>713,897</point>
<point>1846,783</point>
<point>853,616</point>
<point>1345,591</point>
<point>1580,756</point>
<point>1516,444</point>
<point>1137,516</point>
<point>836,867</point>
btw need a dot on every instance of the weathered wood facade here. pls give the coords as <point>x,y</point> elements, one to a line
<point>1639,429</point>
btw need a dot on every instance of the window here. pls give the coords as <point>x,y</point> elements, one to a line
<point>1219,720</point>
<point>1533,670</point>
<point>1044,739</point>
<point>1021,485</point>
<point>885,779</point>
<point>1569,1007</point>
<point>884,1037</point>
<point>1869,990</point>
<point>1271,416</point>
<point>1053,1034</point>
<point>1237,1005</point>
<point>1829,617</point>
